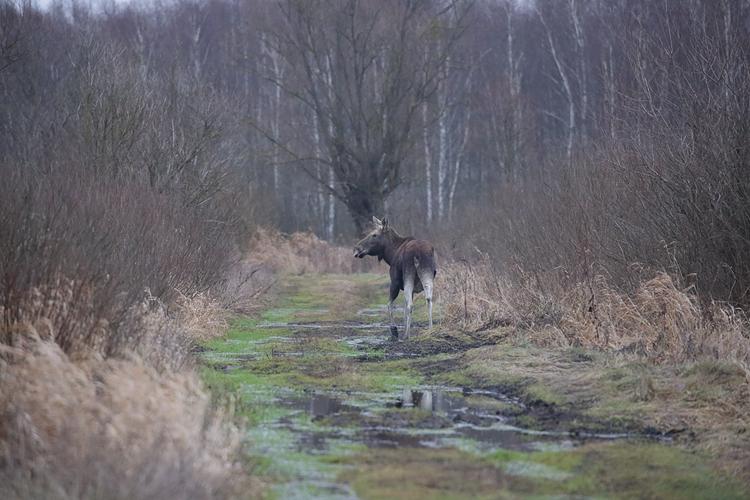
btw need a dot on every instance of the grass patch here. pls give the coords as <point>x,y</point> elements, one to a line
<point>422,473</point>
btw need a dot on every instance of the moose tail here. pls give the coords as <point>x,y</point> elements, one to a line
<point>425,262</point>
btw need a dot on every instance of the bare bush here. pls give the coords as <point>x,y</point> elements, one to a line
<point>245,286</point>
<point>119,242</point>
<point>668,192</point>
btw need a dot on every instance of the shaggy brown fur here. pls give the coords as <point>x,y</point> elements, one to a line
<point>412,266</point>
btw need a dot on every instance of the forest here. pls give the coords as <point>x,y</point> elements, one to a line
<point>167,168</point>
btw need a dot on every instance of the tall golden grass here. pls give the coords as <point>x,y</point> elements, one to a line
<point>78,423</point>
<point>111,428</point>
<point>659,320</point>
<point>202,317</point>
<point>303,253</point>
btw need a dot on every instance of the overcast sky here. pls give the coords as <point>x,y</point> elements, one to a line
<point>95,4</point>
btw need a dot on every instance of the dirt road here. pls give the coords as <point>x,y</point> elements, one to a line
<point>336,409</point>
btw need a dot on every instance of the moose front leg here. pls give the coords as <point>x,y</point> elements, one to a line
<point>408,304</point>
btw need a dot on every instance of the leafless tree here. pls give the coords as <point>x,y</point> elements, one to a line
<point>365,70</point>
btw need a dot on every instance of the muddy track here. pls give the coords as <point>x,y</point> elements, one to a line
<point>330,397</point>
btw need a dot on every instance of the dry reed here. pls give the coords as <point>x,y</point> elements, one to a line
<point>201,316</point>
<point>302,253</point>
<point>112,428</point>
<point>659,320</point>
<point>83,423</point>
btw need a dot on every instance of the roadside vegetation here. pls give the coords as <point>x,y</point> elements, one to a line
<point>107,285</point>
<point>658,357</point>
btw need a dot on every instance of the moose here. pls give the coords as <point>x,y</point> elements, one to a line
<point>412,266</point>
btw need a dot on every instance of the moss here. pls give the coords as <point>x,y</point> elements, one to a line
<point>488,403</point>
<point>502,456</point>
<point>423,473</point>
<point>538,393</point>
<point>454,378</point>
<point>655,471</point>
<point>610,470</point>
<point>618,470</point>
<point>354,378</point>
<point>280,315</point>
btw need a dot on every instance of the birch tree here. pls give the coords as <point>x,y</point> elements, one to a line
<point>565,82</point>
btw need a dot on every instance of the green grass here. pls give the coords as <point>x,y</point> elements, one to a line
<point>601,470</point>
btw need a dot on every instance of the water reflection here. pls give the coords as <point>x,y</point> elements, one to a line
<point>453,417</point>
<point>322,405</point>
<point>433,400</point>
<point>424,400</point>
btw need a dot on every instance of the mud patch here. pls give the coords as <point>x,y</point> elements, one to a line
<point>424,346</point>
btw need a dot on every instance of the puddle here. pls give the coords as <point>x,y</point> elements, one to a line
<point>315,489</point>
<point>420,418</point>
<point>326,326</point>
<point>322,405</point>
<point>368,341</point>
<point>373,312</point>
<point>230,357</point>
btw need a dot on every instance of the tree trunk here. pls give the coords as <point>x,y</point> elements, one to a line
<point>458,163</point>
<point>331,205</point>
<point>278,75</point>
<point>321,200</point>
<point>362,206</point>
<point>427,163</point>
<point>566,86</point>
<point>442,150</point>
<point>582,71</point>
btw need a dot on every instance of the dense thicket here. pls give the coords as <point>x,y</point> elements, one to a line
<point>114,185</point>
<point>576,136</point>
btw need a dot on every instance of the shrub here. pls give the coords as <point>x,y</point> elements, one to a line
<point>87,250</point>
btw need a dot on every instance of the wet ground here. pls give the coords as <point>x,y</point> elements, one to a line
<point>338,409</point>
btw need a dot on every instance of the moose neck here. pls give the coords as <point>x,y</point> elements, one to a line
<point>393,241</point>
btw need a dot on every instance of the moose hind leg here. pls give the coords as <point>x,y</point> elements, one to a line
<point>408,304</point>
<point>426,279</point>
<point>391,298</point>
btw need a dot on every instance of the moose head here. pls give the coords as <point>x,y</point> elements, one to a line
<point>375,241</point>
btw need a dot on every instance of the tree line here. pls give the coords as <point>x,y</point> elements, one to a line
<point>553,133</point>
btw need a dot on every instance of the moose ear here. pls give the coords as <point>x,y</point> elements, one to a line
<point>377,221</point>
